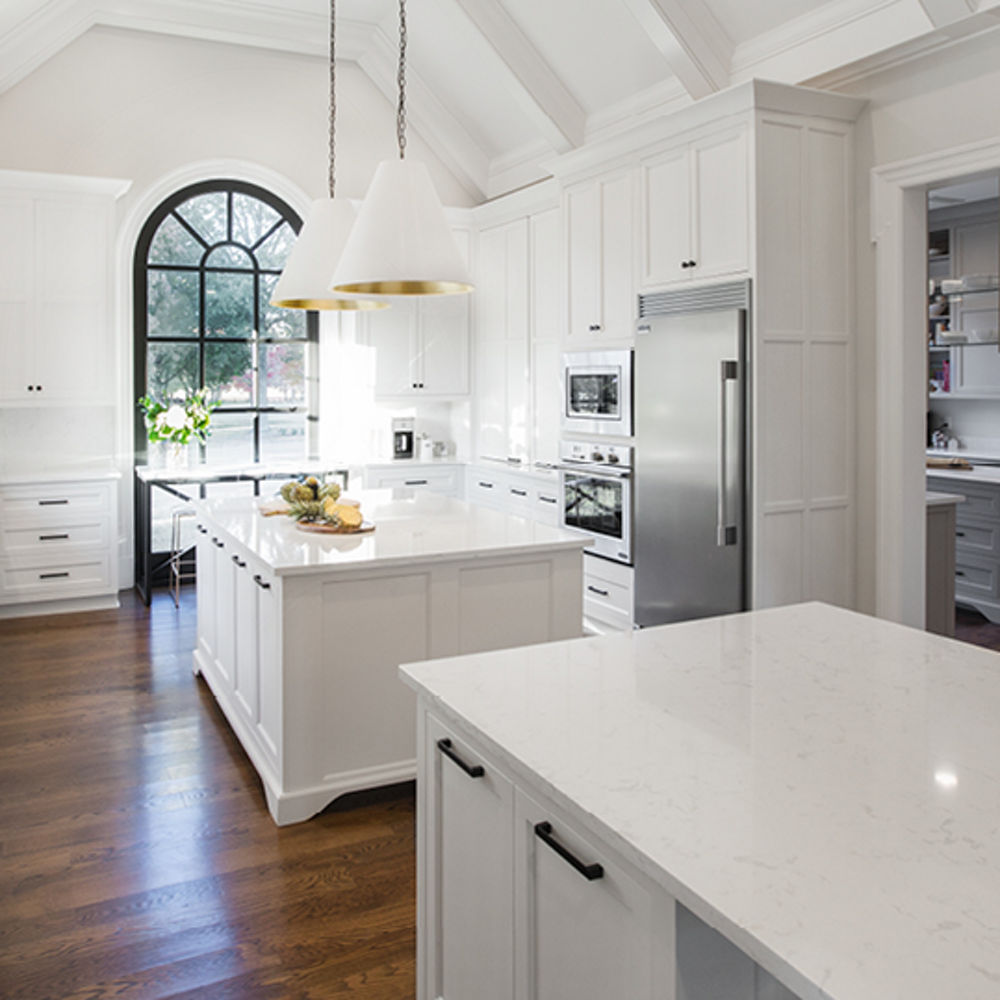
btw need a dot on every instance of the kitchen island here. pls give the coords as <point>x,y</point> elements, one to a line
<point>797,802</point>
<point>300,635</point>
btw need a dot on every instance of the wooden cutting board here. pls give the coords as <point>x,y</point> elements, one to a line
<point>952,462</point>
<point>333,529</point>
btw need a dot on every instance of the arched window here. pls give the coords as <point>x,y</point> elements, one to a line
<point>205,264</point>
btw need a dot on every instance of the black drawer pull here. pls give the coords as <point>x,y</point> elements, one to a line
<point>51,538</point>
<point>472,770</point>
<point>486,486</point>
<point>51,576</point>
<point>548,499</point>
<point>217,543</point>
<point>960,534</point>
<point>519,493</point>
<point>260,583</point>
<point>52,503</point>
<point>597,590</point>
<point>590,872</point>
<point>203,529</point>
<point>594,327</point>
<point>959,572</point>
<point>415,482</point>
<point>239,562</point>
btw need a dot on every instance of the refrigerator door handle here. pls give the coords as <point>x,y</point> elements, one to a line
<point>726,533</point>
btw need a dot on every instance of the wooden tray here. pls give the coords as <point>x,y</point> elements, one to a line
<point>332,529</point>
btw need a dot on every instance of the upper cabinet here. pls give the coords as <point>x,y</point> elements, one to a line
<point>599,217</point>
<point>695,209</point>
<point>56,241</point>
<point>422,344</point>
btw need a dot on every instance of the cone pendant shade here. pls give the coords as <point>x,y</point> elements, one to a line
<point>401,243</point>
<point>305,281</point>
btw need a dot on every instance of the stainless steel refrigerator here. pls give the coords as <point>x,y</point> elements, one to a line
<point>691,434</point>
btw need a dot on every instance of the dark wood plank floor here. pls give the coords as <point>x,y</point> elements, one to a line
<point>971,626</point>
<point>137,858</point>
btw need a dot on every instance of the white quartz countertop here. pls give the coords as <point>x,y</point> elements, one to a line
<point>411,526</point>
<point>822,787</point>
<point>977,474</point>
<point>935,499</point>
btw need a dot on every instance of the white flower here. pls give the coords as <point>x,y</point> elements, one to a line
<point>175,416</point>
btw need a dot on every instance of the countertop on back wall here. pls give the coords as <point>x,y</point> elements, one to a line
<point>977,474</point>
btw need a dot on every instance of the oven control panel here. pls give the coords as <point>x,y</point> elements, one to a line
<point>596,453</point>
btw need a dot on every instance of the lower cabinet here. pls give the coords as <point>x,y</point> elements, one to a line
<point>446,479</point>
<point>515,901</point>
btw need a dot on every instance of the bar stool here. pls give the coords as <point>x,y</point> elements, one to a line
<point>182,560</point>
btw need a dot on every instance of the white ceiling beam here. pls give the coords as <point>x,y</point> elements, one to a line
<point>442,131</point>
<point>532,81</point>
<point>945,12</point>
<point>691,40</point>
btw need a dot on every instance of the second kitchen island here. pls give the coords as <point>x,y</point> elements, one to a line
<point>300,635</point>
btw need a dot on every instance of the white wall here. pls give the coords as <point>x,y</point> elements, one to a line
<point>944,100</point>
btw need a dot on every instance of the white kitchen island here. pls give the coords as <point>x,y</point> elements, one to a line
<point>798,802</point>
<point>300,635</point>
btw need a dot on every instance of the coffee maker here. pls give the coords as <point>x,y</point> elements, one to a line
<point>402,437</point>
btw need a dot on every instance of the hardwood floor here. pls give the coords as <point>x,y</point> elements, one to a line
<point>971,626</point>
<point>137,858</point>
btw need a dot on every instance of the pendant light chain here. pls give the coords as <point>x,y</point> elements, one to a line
<point>401,79</point>
<point>331,179</point>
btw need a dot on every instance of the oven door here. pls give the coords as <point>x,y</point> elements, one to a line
<point>599,504</point>
<point>597,392</point>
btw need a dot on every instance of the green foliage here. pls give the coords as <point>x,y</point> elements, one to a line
<point>179,419</point>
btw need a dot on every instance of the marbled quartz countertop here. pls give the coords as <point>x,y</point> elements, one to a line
<point>821,786</point>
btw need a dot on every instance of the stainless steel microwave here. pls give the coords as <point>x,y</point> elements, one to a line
<point>597,393</point>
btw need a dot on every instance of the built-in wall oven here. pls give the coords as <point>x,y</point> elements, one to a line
<point>597,393</point>
<point>596,487</point>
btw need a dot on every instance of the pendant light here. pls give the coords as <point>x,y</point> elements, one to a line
<point>401,243</point>
<point>306,280</point>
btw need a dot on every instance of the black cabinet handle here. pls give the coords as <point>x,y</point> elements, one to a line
<point>590,872</point>
<point>519,493</point>
<point>486,486</point>
<point>51,576</point>
<point>959,572</point>
<point>203,530</point>
<point>960,534</point>
<point>51,538</point>
<point>260,583</point>
<point>415,482</point>
<point>239,562</point>
<point>52,503</point>
<point>472,770</point>
<point>217,543</point>
<point>597,590</point>
<point>594,327</point>
<point>548,499</point>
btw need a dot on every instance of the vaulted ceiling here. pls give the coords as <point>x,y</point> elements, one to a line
<point>500,86</point>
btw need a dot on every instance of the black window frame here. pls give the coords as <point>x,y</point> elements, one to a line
<point>141,267</point>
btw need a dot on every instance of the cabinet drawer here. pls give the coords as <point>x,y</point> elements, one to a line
<point>52,504</point>
<point>980,538</point>
<point>56,538</point>
<point>981,500</point>
<point>437,480</point>
<point>85,575</point>
<point>975,577</point>
<point>486,489</point>
<point>546,506</point>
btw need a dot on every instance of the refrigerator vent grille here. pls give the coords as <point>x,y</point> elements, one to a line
<point>731,295</point>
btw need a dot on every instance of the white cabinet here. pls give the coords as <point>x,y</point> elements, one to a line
<point>515,900</point>
<point>57,544</point>
<point>502,342</point>
<point>470,804</point>
<point>695,217</point>
<point>421,348</point>
<point>437,478</point>
<point>607,592</point>
<point>600,228</point>
<point>56,243</point>
<point>545,368</point>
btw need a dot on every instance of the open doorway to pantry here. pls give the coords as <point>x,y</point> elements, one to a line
<point>899,230</point>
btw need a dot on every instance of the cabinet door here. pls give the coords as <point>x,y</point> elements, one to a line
<point>470,871</point>
<point>720,196</point>
<point>16,290</point>
<point>245,667</point>
<point>443,344</point>
<point>617,284</point>
<point>206,595</point>
<point>268,664</point>
<point>491,399</point>
<point>582,213</point>
<point>393,334</point>
<point>580,938</point>
<point>665,227</point>
<point>225,609</point>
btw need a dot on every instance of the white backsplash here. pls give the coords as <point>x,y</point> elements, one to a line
<point>974,422</point>
<point>45,439</point>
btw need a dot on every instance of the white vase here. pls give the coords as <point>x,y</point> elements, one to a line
<point>178,456</point>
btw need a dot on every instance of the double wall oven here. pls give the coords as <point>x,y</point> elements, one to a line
<point>596,487</point>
